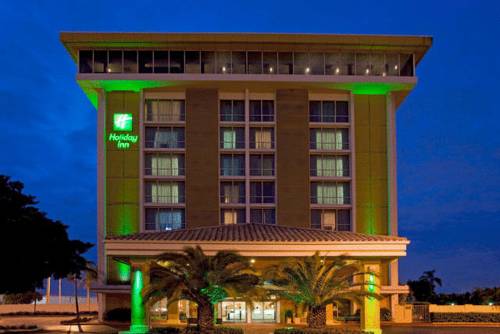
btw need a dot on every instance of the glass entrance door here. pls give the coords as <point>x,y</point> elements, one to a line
<point>234,311</point>
<point>264,312</point>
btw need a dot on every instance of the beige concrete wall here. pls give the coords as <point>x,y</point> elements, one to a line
<point>467,308</point>
<point>84,307</point>
<point>402,314</point>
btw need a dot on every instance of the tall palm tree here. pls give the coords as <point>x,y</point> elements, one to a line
<point>205,280</point>
<point>316,282</point>
<point>430,276</point>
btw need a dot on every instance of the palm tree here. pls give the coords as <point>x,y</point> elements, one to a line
<point>316,282</point>
<point>205,280</point>
<point>89,269</point>
<point>429,276</point>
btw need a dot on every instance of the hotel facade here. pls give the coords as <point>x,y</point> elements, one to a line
<point>272,145</point>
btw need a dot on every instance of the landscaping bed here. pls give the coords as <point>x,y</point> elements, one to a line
<point>194,330</point>
<point>19,329</point>
<point>292,330</point>
<point>465,317</point>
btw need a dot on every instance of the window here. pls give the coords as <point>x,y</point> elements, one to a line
<point>232,165</point>
<point>329,165</point>
<point>334,220</point>
<point>162,164</point>
<point>232,138</point>
<point>329,139</point>
<point>115,62</point>
<point>270,63</point>
<point>161,61</point>
<point>261,165</point>
<point>285,60</point>
<point>207,62</point>
<point>263,216</point>
<point>262,192</point>
<point>164,219</point>
<point>176,61</point>
<point>261,111</point>
<point>392,64</point>
<point>232,216</point>
<point>363,64</point>
<point>164,192</point>
<point>145,61</point>
<point>223,60</point>
<point>406,65</point>
<point>329,111</point>
<point>85,61</point>
<point>130,61</point>
<point>192,62</point>
<point>317,63</point>
<point>377,61</point>
<point>164,137</point>
<point>232,110</point>
<point>232,192</point>
<point>330,193</point>
<point>301,63</point>
<point>262,138</point>
<point>254,62</point>
<point>100,61</point>
<point>163,111</point>
<point>339,64</point>
<point>239,62</point>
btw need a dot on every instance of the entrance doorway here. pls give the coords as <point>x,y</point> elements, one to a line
<point>264,312</point>
<point>234,311</point>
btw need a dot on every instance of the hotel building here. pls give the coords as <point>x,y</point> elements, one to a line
<point>273,145</point>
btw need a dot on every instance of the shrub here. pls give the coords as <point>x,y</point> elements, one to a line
<point>118,314</point>
<point>217,330</point>
<point>166,330</point>
<point>291,330</point>
<point>465,317</point>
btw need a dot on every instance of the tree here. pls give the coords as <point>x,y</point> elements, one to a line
<point>205,280</point>
<point>316,282</point>
<point>32,246</point>
<point>75,275</point>
<point>424,289</point>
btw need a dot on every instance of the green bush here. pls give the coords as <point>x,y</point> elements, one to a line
<point>465,317</point>
<point>118,314</point>
<point>291,330</point>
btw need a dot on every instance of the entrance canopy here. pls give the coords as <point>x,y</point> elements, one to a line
<point>259,240</point>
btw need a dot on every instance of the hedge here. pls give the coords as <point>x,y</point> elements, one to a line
<point>194,330</point>
<point>291,330</point>
<point>465,317</point>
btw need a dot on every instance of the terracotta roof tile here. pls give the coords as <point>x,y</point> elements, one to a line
<point>255,233</point>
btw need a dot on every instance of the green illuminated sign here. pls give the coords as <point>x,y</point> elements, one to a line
<point>122,122</point>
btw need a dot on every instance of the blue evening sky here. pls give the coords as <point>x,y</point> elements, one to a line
<point>448,127</point>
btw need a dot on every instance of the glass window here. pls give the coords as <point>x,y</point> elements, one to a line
<point>163,137</point>
<point>232,192</point>
<point>333,220</point>
<point>285,63</point>
<point>176,61</point>
<point>164,111</point>
<point>232,165</point>
<point>100,61</point>
<point>232,216</point>
<point>232,138</point>
<point>232,110</point>
<point>263,216</point>
<point>378,64</point>
<point>341,111</point>
<point>262,138</point>
<point>254,62</point>
<point>329,111</point>
<point>363,65</point>
<point>406,65</point>
<point>130,61</point>
<point>223,60</point>
<point>161,61</point>
<point>392,64</point>
<point>329,139</point>
<point>261,111</point>
<point>339,64</point>
<point>163,164</point>
<point>270,63</point>
<point>261,165</point>
<point>192,62</point>
<point>239,62</point>
<point>115,62</point>
<point>207,62</point>
<point>164,192</point>
<point>85,61</point>
<point>330,193</point>
<point>317,63</point>
<point>329,165</point>
<point>145,61</point>
<point>301,63</point>
<point>262,192</point>
<point>164,219</point>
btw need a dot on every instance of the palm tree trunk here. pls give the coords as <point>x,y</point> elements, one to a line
<point>316,317</point>
<point>77,306</point>
<point>205,317</point>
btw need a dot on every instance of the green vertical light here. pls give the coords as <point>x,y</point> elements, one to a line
<point>123,271</point>
<point>138,314</point>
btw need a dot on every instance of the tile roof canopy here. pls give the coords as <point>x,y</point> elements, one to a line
<point>255,233</point>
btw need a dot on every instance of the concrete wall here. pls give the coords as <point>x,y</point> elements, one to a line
<point>84,307</point>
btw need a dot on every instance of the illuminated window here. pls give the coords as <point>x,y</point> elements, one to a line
<point>334,220</point>
<point>232,138</point>
<point>164,111</point>
<point>330,193</point>
<point>164,137</point>
<point>164,164</point>
<point>232,216</point>
<point>232,192</point>
<point>164,219</point>
<point>329,165</point>
<point>164,192</point>
<point>329,139</point>
<point>262,138</point>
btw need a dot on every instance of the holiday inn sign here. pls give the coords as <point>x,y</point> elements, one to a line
<point>122,123</point>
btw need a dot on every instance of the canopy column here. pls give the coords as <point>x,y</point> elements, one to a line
<point>370,307</point>
<point>139,280</point>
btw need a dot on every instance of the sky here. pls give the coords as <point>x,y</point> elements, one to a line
<point>447,128</point>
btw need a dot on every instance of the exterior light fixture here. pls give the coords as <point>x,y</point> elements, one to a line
<point>396,67</point>
<point>384,74</point>
<point>308,70</point>
<point>223,69</point>
<point>337,70</point>
<point>252,261</point>
<point>490,303</point>
<point>367,71</point>
<point>271,69</point>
